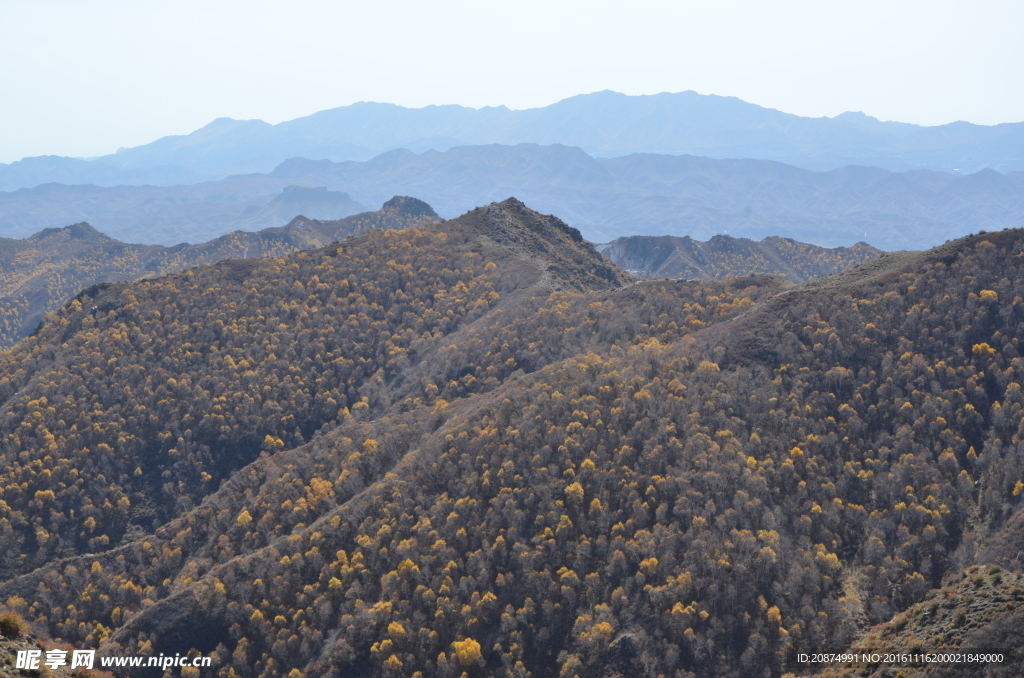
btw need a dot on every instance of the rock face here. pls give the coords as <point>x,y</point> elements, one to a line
<point>686,258</point>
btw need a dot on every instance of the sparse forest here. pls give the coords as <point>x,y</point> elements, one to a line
<point>476,448</point>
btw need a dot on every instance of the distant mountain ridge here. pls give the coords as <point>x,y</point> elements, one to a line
<point>40,273</point>
<point>605,198</point>
<point>685,258</point>
<point>168,215</point>
<point>604,124</point>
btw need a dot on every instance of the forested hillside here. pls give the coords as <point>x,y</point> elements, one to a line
<point>671,257</point>
<point>41,272</point>
<point>475,448</point>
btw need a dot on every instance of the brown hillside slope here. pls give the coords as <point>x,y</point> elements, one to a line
<point>41,272</point>
<point>979,611</point>
<point>544,482</point>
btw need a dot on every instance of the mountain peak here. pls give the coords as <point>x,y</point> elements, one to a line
<point>79,231</point>
<point>570,260</point>
<point>856,116</point>
<point>413,207</point>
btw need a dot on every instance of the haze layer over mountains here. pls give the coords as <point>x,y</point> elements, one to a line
<point>679,164</point>
<point>604,124</point>
<point>640,194</point>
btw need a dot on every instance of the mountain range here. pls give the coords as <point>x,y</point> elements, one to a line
<point>40,273</point>
<point>475,447</point>
<point>605,198</point>
<point>603,124</point>
<point>171,215</point>
<point>671,257</point>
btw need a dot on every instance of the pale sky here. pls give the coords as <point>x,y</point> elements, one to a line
<point>83,77</point>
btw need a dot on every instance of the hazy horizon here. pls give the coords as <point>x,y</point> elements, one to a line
<point>278,122</point>
<point>440,105</point>
<point>90,79</point>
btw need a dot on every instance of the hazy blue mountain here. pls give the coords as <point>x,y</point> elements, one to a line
<point>604,124</point>
<point>649,194</point>
<point>172,214</point>
<point>606,198</point>
<point>45,169</point>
